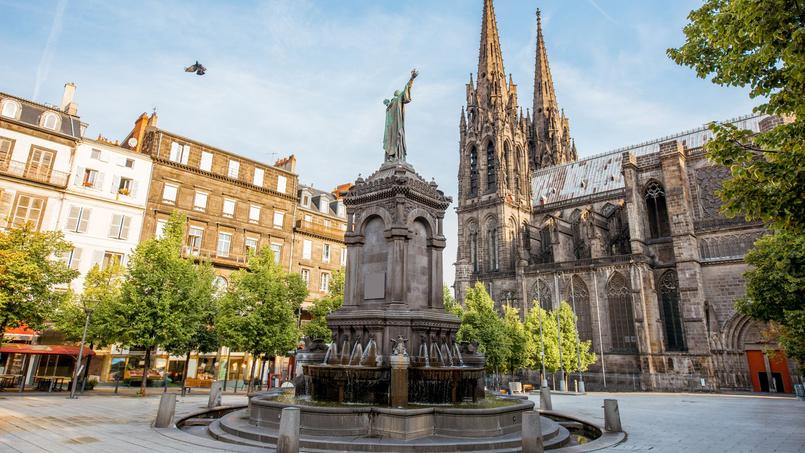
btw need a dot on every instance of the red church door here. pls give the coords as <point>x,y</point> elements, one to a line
<point>775,377</point>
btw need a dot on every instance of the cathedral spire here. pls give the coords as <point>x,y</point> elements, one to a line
<point>490,58</point>
<point>544,95</point>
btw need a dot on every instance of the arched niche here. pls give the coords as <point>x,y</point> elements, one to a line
<point>374,264</point>
<point>419,264</point>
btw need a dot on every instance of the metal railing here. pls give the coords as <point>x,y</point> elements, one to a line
<point>213,255</point>
<point>320,229</point>
<point>44,176</point>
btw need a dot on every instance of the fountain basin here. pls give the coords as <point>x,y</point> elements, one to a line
<point>408,423</point>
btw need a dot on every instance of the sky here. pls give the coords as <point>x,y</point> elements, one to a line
<point>309,77</point>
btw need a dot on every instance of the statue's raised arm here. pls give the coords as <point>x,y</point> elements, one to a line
<point>394,135</point>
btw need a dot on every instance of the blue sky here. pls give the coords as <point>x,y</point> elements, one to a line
<point>309,77</point>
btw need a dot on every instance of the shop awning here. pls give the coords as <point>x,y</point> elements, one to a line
<point>52,349</point>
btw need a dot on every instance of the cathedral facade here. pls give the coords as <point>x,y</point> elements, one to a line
<point>633,239</point>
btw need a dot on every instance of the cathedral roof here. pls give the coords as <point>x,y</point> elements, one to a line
<point>601,173</point>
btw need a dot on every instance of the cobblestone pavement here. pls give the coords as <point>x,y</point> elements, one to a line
<point>655,422</point>
<point>684,422</point>
<point>91,423</point>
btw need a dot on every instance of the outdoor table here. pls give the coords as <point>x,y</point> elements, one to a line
<point>8,380</point>
<point>50,383</point>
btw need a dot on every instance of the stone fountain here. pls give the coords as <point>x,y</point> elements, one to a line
<point>394,378</point>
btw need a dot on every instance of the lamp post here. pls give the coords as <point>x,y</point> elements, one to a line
<point>77,368</point>
<point>544,381</point>
<point>578,339</point>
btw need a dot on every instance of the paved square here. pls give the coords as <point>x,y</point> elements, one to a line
<point>655,422</point>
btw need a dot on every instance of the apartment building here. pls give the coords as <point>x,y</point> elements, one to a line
<point>37,143</point>
<point>318,245</point>
<point>104,205</point>
<point>233,204</point>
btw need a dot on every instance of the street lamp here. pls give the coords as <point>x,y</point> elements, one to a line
<point>77,369</point>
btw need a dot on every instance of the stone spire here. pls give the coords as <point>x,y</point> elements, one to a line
<point>491,74</point>
<point>551,129</point>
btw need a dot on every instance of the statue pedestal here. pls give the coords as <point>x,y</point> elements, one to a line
<point>399,380</point>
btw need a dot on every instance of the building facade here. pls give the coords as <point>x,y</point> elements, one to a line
<point>318,240</point>
<point>104,205</point>
<point>633,239</point>
<point>37,145</point>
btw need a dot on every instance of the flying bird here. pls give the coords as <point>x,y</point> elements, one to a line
<point>198,68</point>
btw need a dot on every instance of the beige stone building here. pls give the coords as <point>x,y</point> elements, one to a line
<point>633,239</point>
<point>232,203</point>
<point>318,239</point>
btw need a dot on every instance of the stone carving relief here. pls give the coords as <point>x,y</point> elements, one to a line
<point>731,246</point>
<point>708,181</point>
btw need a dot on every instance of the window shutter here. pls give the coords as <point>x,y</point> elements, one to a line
<point>175,150</point>
<point>115,184</point>
<point>114,228</point>
<point>97,258</point>
<point>281,184</point>
<point>133,191</point>
<point>124,230</point>
<point>185,154</point>
<point>79,176</point>
<point>98,181</point>
<point>73,218</point>
<point>75,260</point>
<point>82,224</point>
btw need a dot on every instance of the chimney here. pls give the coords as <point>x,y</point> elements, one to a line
<point>67,104</point>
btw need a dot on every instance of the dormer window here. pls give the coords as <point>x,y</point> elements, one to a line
<point>305,200</point>
<point>10,108</point>
<point>50,121</point>
<point>324,206</point>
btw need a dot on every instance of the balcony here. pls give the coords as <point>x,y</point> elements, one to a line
<point>44,176</point>
<point>319,229</point>
<point>230,259</point>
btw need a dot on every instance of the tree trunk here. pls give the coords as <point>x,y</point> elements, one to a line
<point>250,388</point>
<point>228,358</point>
<point>146,366</point>
<point>262,370</point>
<point>186,368</point>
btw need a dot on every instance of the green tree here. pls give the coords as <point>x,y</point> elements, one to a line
<point>30,276</point>
<point>258,313</point>
<point>200,321</point>
<point>98,299</point>
<point>576,355</point>
<point>761,45</point>
<point>534,339</point>
<point>157,295</point>
<point>515,330</point>
<point>451,305</point>
<point>482,323</point>
<point>317,327</point>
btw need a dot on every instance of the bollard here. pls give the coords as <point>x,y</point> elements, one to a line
<point>545,399</point>
<point>215,395</point>
<point>167,407</point>
<point>612,417</point>
<point>288,438</point>
<point>532,433</point>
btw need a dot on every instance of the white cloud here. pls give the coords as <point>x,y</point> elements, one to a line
<point>46,59</point>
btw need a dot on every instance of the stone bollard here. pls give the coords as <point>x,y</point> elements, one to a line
<point>288,438</point>
<point>167,407</point>
<point>532,433</point>
<point>215,395</point>
<point>545,399</point>
<point>612,417</point>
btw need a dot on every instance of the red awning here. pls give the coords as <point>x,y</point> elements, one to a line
<point>54,349</point>
<point>21,330</point>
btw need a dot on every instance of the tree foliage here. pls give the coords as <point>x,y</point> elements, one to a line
<point>761,45</point>
<point>514,329</point>
<point>482,323</point>
<point>100,296</point>
<point>451,304</point>
<point>158,295</point>
<point>576,355</point>
<point>257,314</point>
<point>31,274</point>
<point>317,327</point>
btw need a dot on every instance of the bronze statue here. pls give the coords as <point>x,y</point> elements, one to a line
<point>394,135</point>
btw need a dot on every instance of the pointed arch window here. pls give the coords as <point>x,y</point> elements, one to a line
<point>621,317</point>
<point>492,251</point>
<point>581,249</point>
<point>541,292</point>
<point>473,233</point>
<point>619,240</point>
<point>491,168</point>
<point>473,171</point>
<point>672,321</point>
<point>546,247</point>
<point>579,299</point>
<point>657,211</point>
